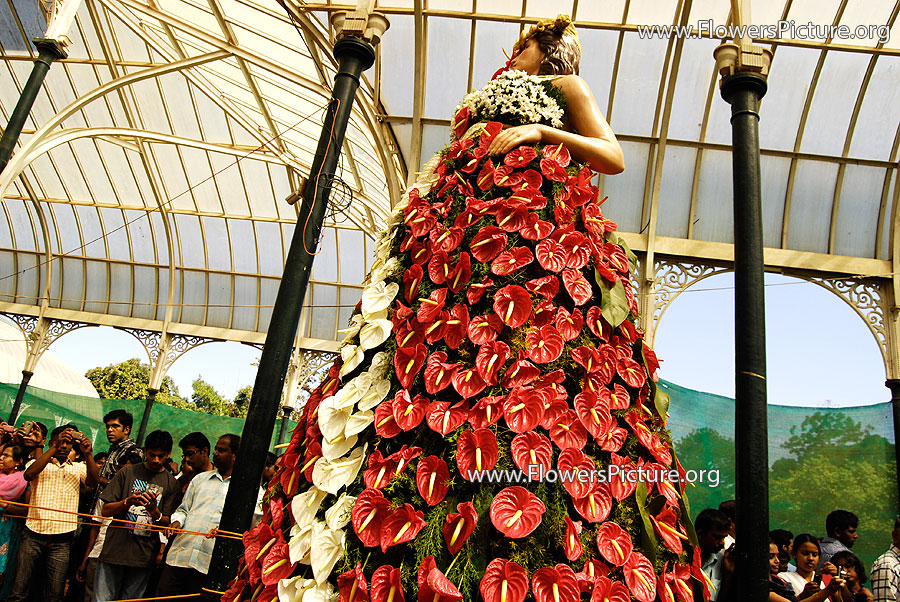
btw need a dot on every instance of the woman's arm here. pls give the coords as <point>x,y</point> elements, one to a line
<point>595,143</point>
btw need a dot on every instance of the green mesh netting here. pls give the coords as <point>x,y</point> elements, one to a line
<point>820,458</point>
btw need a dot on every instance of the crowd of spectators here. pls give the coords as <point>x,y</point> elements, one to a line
<point>802,567</point>
<point>125,524</point>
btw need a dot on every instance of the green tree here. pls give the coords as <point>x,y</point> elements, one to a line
<point>130,380</point>
<point>206,399</point>
<point>707,449</point>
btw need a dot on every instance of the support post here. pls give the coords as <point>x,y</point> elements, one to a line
<point>145,417</point>
<point>894,385</point>
<point>743,88</point>
<point>282,428</point>
<point>354,56</point>
<point>20,395</point>
<point>48,51</point>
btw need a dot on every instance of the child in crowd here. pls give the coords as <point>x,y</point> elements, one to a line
<point>855,574</point>
<point>779,589</point>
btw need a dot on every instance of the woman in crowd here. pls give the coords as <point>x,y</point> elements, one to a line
<point>779,589</point>
<point>12,486</point>
<point>855,574</point>
<point>806,583</point>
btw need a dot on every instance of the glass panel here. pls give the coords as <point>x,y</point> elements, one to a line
<point>500,7</point>
<point>773,186</point>
<point>813,11</point>
<point>857,215</point>
<point>22,228</point>
<point>713,213</point>
<point>230,184</point>
<point>220,300</point>
<point>116,234</point>
<point>145,282</point>
<point>780,110</point>
<point>91,232</point>
<point>863,18</point>
<point>811,202</point>
<point>325,265</point>
<point>244,245</point>
<point>192,251</point>
<point>547,9</point>
<point>833,102</point>
<point>434,138</point>
<point>97,286</point>
<point>8,285</point>
<point>178,179</point>
<point>268,241</point>
<point>245,300</point>
<point>448,73</point>
<point>349,298</point>
<point>72,283</point>
<point>881,106</point>
<point>69,171</point>
<point>268,291</point>
<point>601,12</point>
<point>218,244</point>
<point>450,5</point>
<point>491,37</point>
<point>159,232</point>
<point>163,295</point>
<point>675,192</point>
<point>397,49</point>
<point>637,87</point>
<point>695,73</point>
<point>626,190</point>
<point>658,12</point>
<point>323,313</point>
<point>120,289</point>
<point>352,252</point>
<point>884,245</point>
<point>596,62</point>
<point>193,296</point>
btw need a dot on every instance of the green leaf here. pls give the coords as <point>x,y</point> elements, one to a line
<point>661,399</point>
<point>613,302</point>
<point>648,536</point>
<point>685,507</point>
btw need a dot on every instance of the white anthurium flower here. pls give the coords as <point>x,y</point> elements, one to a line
<point>338,446</point>
<point>378,296</point>
<point>331,475</point>
<point>382,270</point>
<point>338,515</point>
<point>380,365</point>
<point>292,589</point>
<point>300,543</point>
<point>358,422</point>
<point>352,330</point>
<point>304,506</point>
<point>323,592</point>
<point>329,547</point>
<point>375,395</point>
<point>374,333</point>
<point>333,419</point>
<point>348,395</point>
<point>352,356</point>
<point>378,315</point>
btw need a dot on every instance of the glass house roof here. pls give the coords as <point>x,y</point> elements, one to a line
<point>149,185</point>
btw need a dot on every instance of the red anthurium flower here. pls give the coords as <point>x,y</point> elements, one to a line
<point>521,372</point>
<point>504,176</point>
<point>594,414</point>
<point>504,581</point>
<point>476,291</point>
<point>409,413</point>
<point>386,585</point>
<point>532,179</point>
<point>544,344</point>
<point>409,333</point>
<point>432,475</point>
<point>313,453</point>
<point>553,412</point>
<point>516,512</point>
<point>621,488</point>
<point>569,325</point>
<point>555,585</point>
<point>577,286</point>
<point>459,147</point>
<point>460,274</point>
<point>419,253</point>
<point>529,197</point>
<point>631,372</point>
<point>467,218</point>
<point>485,179</point>
<point>587,357</point>
<point>660,450</point>
<point>543,313</point>
<point>257,542</point>
<point>531,449</point>
<point>434,585</point>
<point>439,267</point>
<point>576,472</point>
<point>468,383</point>
<point>595,381</point>
<point>571,544</point>
<point>594,222</point>
<point>619,399</point>
<point>698,574</point>
<point>511,261</point>
<point>650,360</point>
<point>614,543</point>
<point>593,571</point>
<point>486,412</point>
<point>512,304</point>
<point>511,217</point>
<point>598,326</point>
<point>459,526</point>
<point>420,219</point>
<point>547,287</point>
<point>402,313</point>
<point>460,125</point>
<point>476,450</point>
<point>558,153</point>
<point>640,428</point>
<point>664,587</point>
<point>446,239</point>
<point>488,243</point>
<point>535,228</point>
<point>578,252</point>
<point>553,170</point>
<point>380,470</point>
<point>435,330</point>
<point>666,525</point>
<point>385,424</point>
<point>235,589</point>
<point>444,418</point>
<point>520,156</point>
<point>352,585</point>
<point>484,329</point>
<point>438,373</point>
<point>523,409</point>
<point>400,526</point>
<point>367,515</point>
<point>455,332</point>
<point>408,361</point>
<point>681,574</point>
<point>551,255</point>
<point>491,357</point>
<point>607,590</point>
<point>596,505</point>
<point>640,577</point>
<point>412,278</point>
<point>432,306</point>
<point>404,456</point>
<point>613,440</point>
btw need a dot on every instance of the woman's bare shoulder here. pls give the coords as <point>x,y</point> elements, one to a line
<point>572,83</point>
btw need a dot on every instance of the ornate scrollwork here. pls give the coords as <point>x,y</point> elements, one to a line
<point>313,366</point>
<point>40,333</point>
<point>165,350</point>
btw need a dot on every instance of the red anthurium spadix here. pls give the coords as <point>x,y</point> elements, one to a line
<point>409,333</point>
<point>516,512</point>
<point>523,409</point>
<point>571,542</point>
<point>460,273</point>
<point>457,325</point>
<point>640,428</point>
<point>544,344</point>
<point>567,431</point>
<point>535,228</point>
<point>468,383</point>
<point>577,286</point>
<point>487,243</point>
<point>592,572</point>
<point>385,425</point>
<point>614,543</point>
<point>607,590</point>
<point>631,372</point>
<point>379,471</point>
<point>552,170</point>
<point>531,449</point>
<point>432,306</point>
<point>409,413</point>
<point>439,267</point>
<point>640,577</point>
<point>404,456</point>
<point>664,585</point>
<point>511,217</point>
<point>504,581</point>
<point>557,153</point>
<point>386,585</point>
<point>484,329</point>
<point>408,361</point>
<point>476,450</point>
<point>444,418</point>
<point>666,525</point>
<point>400,526</point>
<point>434,330</point>
<point>476,291</point>
<point>520,156</point>
<point>369,511</point>
<point>491,357</point>
<point>512,304</point>
<point>313,453</point>
<point>576,471</point>
<point>486,411</point>
<point>432,475</point>
<point>511,261</point>
<point>434,585</point>
<point>595,506</point>
<point>547,287</point>
<point>550,255</point>
<point>485,178</point>
<point>619,399</point>
<point>412,278</point>
<point>459,526</point>
<point>594,414</point>
<point>446,239</point>
<point>438,374</point>
<point>521,372</point>
<point>352,585</point>
<point>569,324</point>
<point>555,585</point>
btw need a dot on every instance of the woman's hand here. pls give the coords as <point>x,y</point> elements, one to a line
<point>512,137</point>
<point>830,569</point>
<point>811,589</point>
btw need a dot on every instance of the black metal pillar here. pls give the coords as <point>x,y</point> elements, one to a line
<point>48,51</point>
<point>145,417</point>
<point>743,92</point>
<point>282,428</point>
<point>20,395</point>
<point>354,56</point>
<point>894,385</point>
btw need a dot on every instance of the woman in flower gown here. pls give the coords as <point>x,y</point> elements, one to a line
<point>492,430</point>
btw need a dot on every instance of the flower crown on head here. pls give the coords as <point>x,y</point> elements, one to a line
<point>562,25</point>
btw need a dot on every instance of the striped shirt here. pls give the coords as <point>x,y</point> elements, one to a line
<point>885,576</point>
<point>57,486</point>
<point>201,511</point>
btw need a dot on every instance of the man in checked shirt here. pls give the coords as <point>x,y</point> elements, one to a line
<point>886,570</point>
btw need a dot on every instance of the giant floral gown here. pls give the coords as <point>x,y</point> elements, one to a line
<point>491,377</point>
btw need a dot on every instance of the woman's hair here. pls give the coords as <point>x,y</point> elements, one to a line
<point>852,559</point>
<point>558,40</point>
<point>19,454</point>
<point>805,538</point>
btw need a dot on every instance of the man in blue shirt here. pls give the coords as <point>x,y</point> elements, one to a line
<point>841,528</point>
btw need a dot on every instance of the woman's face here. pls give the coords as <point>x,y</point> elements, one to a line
<point>529,59</point>
<point>7,462</point>
<point>851,576</point>
<point>807,557</point>
<point>774,565</point>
